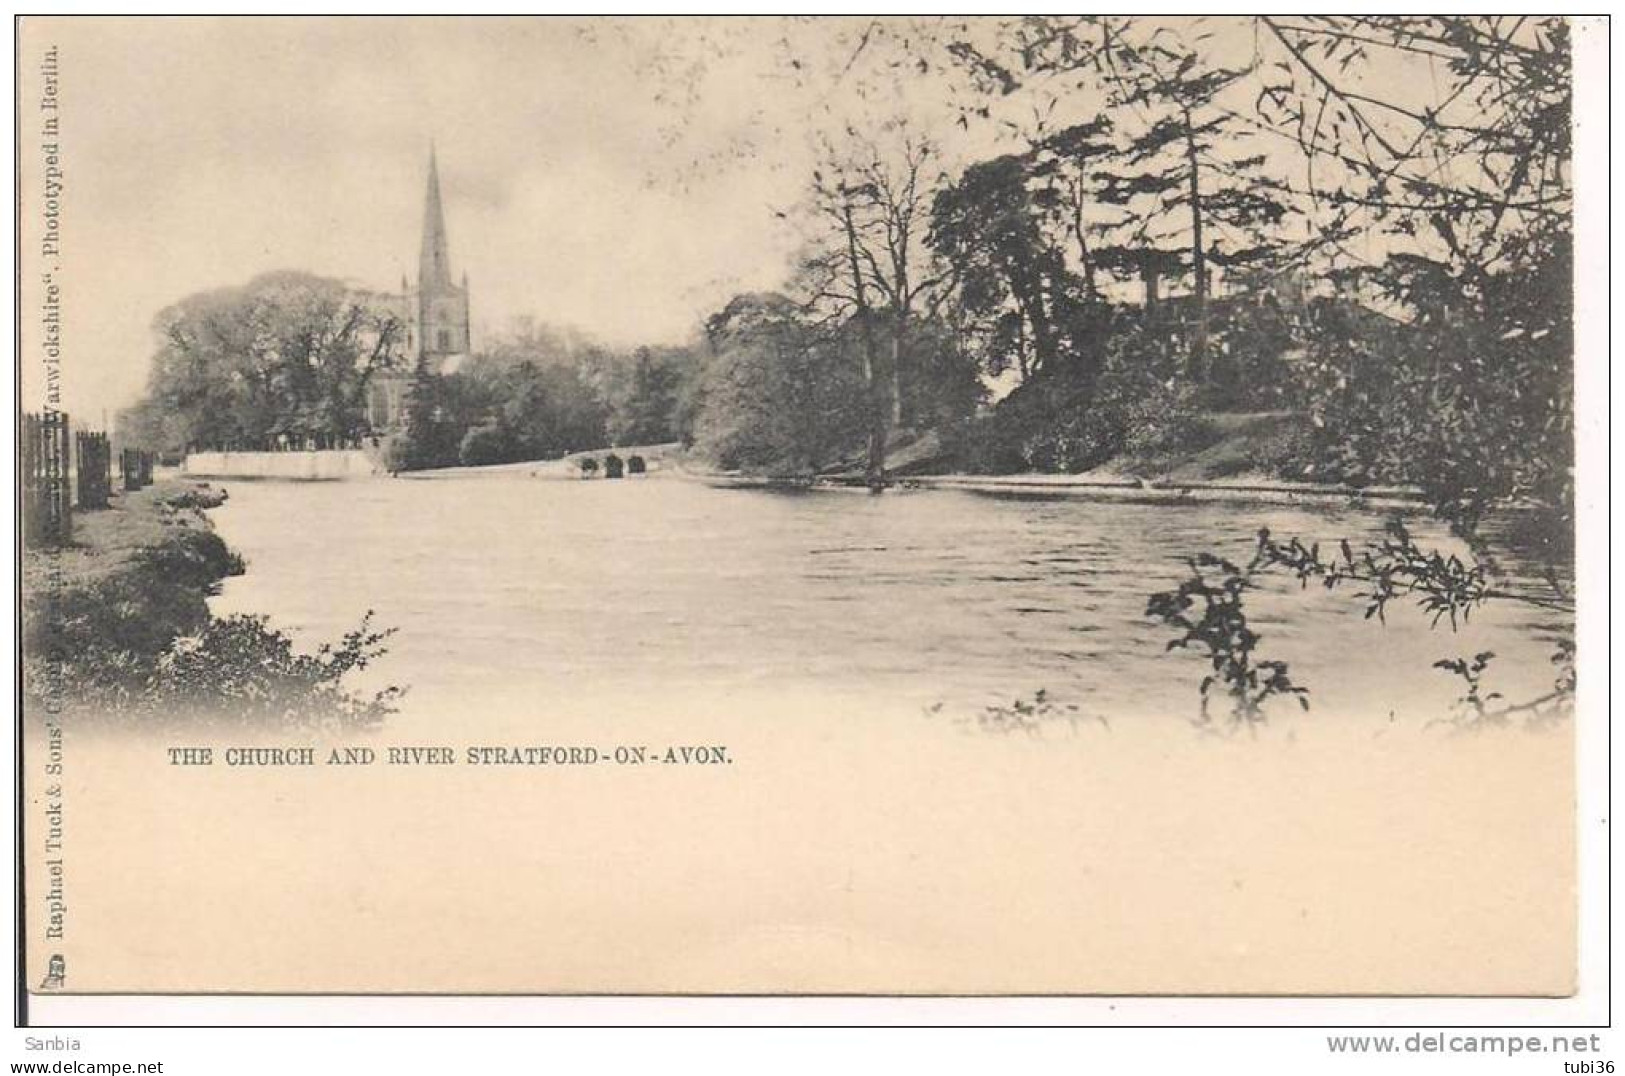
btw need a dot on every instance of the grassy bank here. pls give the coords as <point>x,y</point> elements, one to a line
<point>136,578</point>
<point>1225,454</point>
<point>116,626</point>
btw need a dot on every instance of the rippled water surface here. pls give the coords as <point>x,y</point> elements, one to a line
<point>565,588</point>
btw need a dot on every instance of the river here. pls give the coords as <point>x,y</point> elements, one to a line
<point>927,604</point>
<point>866,832</point>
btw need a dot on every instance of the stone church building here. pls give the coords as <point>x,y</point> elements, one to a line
<point>434,315</point>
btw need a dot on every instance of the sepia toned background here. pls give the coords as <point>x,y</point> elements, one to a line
<point>856,843</point>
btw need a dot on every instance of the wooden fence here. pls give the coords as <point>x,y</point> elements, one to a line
<point>55,466</point>
<point>47,503</point>
<point>136,465</point>
<point>94,469</point>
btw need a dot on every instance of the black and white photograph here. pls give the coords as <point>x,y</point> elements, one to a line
<point>924,506</point>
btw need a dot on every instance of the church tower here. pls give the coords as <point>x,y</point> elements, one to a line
<point>442,306</point>
<point>434,313</point>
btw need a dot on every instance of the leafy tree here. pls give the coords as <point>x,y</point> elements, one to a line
<point>539,400</point>
<point>549,411</point>
<point>647,414</point>
<point>784,396</point>
<point>1011,276</point>
<point>940,379</point>
<point>1475,175</point>
<point>1479,268</point>
<point>286,358</point>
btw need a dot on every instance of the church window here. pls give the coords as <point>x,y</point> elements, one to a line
<point>444,336</point>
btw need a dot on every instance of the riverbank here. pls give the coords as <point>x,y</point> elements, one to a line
<point>1238,458</point>
<point>1106,485</point>
<point>1223,457</point>
<point>97,614</point>
<point>1217,472</point>
<point>117,629</point>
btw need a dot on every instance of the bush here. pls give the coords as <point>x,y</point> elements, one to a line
<point>993,443</point>
<point>235,671</point>
<point>199,495</point>
<point>1057,422</point>
<point>241,671</point>
<point>485,445</point>
<point>398,453</point>
<point>133,642</point>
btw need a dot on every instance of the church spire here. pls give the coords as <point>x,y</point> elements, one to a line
<point>434,264</point>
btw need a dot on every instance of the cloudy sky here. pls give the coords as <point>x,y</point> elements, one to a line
<point>620,178</point>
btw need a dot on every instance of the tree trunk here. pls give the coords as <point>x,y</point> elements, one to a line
<point>894,375</point>
<point>1021,345</point>
<point>875,471</point>
<point>1030,301</point>
<point>1198,356</point>
<point>1078,232</point>
<point>1043,331</point>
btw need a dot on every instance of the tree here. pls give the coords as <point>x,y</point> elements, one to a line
<point>1469,190</point>
<point>538,389</point>
<point>1065,164</point>
<point>484,445</point>
<point>286,358</point>
<point>1010,275</point>
<point>870,261</point>
<point>940,380</point>
<point>839,280</point>
<point>430,436</point>
<point>1428,158</point>
<point>784,397</point>
<point>1469,394</point>
<point>1183,165</point>
<point>1475,172</point>
<point>647,411</point>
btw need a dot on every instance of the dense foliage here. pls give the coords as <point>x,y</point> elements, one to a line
<point>780,396</point>
<point>533,394</point>
<point>1165,233</point>
<point>286,359</point>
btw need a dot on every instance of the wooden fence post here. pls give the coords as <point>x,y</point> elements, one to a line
<point>47,497</point>
<point>33,530</point>
<point>130,469</point>
<point>94,469</point>
<point>58,463</point>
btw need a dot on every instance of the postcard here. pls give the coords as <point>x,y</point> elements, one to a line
<point>1045,505</point>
